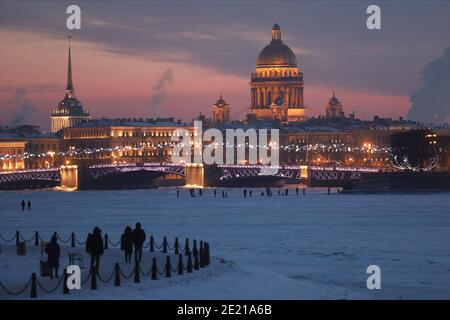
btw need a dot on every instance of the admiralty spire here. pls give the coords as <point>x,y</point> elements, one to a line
<point>70,111</point>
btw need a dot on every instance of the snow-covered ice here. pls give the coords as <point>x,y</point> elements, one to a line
<point>316,246</point>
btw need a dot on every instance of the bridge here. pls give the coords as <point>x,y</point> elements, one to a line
<point>194,174</point>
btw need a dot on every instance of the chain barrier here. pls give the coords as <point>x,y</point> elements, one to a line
<point>63,241</point>
<point>123,275</point>
<point>18,293</point>
<point>87,279</point>
<point>23,239</point>
<point>51,290</point>
<point>7,241</point>
<point>109,278</point>
<point>144,274</point>
<point>112,244</point>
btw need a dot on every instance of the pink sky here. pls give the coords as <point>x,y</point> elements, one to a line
<point>116,85</point>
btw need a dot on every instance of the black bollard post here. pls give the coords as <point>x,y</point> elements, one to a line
<point>189,263</point>
<point>137,274</point>
<point>194,249</point>
<point>207,259</point>
<point>164,245</point>
<point>36,239</point>
<point>196,263</point>
<point>154,269</point>
<point>93,278</point>
<point>117,275</point>
<point>187,251</point>
<point>33,286</point>
<point>168,267</point>
<point>180,264</point>
<point>17,237</point>
<point>202,255</point>
<point>176,246</point>
<point>73,240</point>
<point>106,241</point>
<point>151,244</point>
<point>65,287</point>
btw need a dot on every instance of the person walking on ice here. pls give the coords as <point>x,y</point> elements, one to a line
<point>53,252</point>
<point>126,243</point>
<point>23,205</point>
<point>29,205</point>
<point>138,241</point>
<point>94,246</point>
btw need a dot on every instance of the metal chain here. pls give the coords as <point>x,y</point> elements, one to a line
<point>145,274</point>
<point>64,241</point>
<point>113,244</point>
<point>15,293</point>
<point>109,278</point>
<point>87,279</point>
<point>52,290</point>
<point>81,243</point>
<point>21,236</point>
<point>8,241</point>
<point>123,275</point>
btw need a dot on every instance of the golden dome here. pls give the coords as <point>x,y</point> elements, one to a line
<point>276,54</point>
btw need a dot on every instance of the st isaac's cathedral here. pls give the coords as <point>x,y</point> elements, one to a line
<point>277,84</point>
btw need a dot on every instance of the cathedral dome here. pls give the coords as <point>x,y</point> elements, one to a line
<point>276,54</point>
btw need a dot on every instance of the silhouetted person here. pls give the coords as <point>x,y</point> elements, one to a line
<point>262,194</point>
<point>94,246</point>
<point>53,252</point>
<point>296,191</point>
<point>279,192</point>
<point>304,191</point>
<point>286,192</point>
<point>329,190</point>
<point>245,193</point>
<point>23,205</point>
<point>126,243</point>
<point>215,193</point>
<point>223,194</point>
<point>251,192</point>
<point>178,193</point>
<point>200,192</point>
<point>29,205</point>
<point>138,241</point>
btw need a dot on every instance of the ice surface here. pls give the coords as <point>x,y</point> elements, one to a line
<point>285,247</point>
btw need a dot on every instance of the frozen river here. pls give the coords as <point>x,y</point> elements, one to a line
<point>313,246</point>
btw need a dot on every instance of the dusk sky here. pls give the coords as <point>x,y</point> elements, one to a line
<point>148,59</point>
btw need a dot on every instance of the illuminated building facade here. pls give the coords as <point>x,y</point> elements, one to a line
<point>122,140</point>
<point>334,108</point>
<point>277,79</point>
<point>221,111</point>
<point>70,111</point>
<point>12,151</point>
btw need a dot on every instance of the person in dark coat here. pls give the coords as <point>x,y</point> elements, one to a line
<point>53,252</point>
<point>29,205</point>
<point>138,242</point>
<point>23,205</point>
<point>94,246</point>
<point>126,243</point>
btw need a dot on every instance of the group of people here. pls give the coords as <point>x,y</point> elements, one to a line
<point>247,193</point>
<point>95,247</point>
<point>23,204</point>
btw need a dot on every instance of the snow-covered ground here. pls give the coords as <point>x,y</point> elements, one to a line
<point>285,247</point>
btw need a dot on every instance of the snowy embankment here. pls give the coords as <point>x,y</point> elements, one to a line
<point>222,279</point>
<point>283,247</point>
